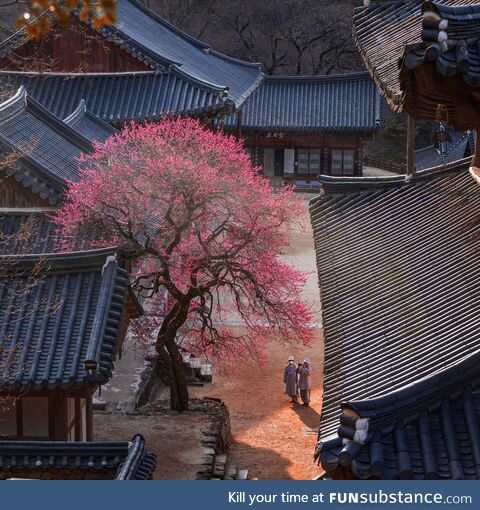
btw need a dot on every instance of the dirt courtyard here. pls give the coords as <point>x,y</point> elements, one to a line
<point>274,439</point>
<point>176,440</point>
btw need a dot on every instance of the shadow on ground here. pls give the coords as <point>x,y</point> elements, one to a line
<point>307,415</point>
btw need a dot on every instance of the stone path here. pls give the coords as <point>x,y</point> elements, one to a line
<point>122,387</point>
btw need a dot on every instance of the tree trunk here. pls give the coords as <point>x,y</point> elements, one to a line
<point>169,353</point>
<point>178,381</point>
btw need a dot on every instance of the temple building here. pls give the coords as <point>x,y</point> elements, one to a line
<point>62,328</point>
<point>394,257</point>
<point>59,460</point>
<point>422,57</point>
<point>140,59</point>
<point>401,325</point>
<point>63,318</point>
<point>297,127</point>
<point>47,149</point>
<point>143,68</point>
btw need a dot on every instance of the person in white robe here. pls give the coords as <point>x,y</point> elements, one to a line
<point>290,379</point>
<point>305,381</point>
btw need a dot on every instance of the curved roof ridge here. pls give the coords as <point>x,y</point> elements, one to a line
<point>200,44</point>
<point>317,77</point>
<point>214,87</point>
<point>82,114</point>
<point>77,114</point>
<point>14,105</point>
<point>353,184</point>
<point>80,258</point>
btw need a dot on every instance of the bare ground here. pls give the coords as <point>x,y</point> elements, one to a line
<point>174,439</point>
<point>271,438</point>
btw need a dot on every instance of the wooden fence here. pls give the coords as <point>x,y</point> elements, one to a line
<point>396,168</point>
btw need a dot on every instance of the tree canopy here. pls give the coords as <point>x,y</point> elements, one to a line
<point>206,234</point>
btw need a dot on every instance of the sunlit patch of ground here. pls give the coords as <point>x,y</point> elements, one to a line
<point>273,438</point>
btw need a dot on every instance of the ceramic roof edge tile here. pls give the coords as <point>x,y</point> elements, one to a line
<point>127,460</point>
<point>59,260</point>
<point>340,184</point>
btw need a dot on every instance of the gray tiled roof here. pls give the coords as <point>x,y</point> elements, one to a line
<point>118,97</point>
<point>381,32</point>
<point>458,53</point>
<point>26,231</point>
<point>68,321</point>
<point>129,459</point>
<point>398,290</point>
<point>88,125</point>
<point>348,102</point>
<point>399,299</point>
<point>439,439</point>
<point>50,147</point>
<point>161,46</point>
<point>461,146</point>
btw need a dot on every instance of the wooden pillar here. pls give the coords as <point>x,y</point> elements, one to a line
<point>78,420</point>
<point>239,124</point>
<point>476,156</point>
<point>89,411</point>
<point>411,145</point>
<point>61,418</point>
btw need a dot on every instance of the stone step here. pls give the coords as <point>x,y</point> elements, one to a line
<point>219,465</point>
<point>206,372</point>
<point>242,474</point>
<point>230,471</point>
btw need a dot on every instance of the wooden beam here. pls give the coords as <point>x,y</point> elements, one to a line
<point>239,124</point>
<point>61,417</point>
<point>411,145</point>
<point>89,411</point>
<point>476,156</point>
<point>78,420</point>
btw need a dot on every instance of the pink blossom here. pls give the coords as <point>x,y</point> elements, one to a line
<point>201,226</point>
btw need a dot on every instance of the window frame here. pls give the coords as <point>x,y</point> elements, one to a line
<point>309,150</point>
<point>342,151</point>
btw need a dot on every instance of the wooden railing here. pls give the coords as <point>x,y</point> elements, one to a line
<point>396,168</point>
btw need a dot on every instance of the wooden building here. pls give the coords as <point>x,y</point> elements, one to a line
<point>424,58</point>
<point>299,127</point>
<point>401,325</point>
<point>63,318</point>
<point>46,150</point>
